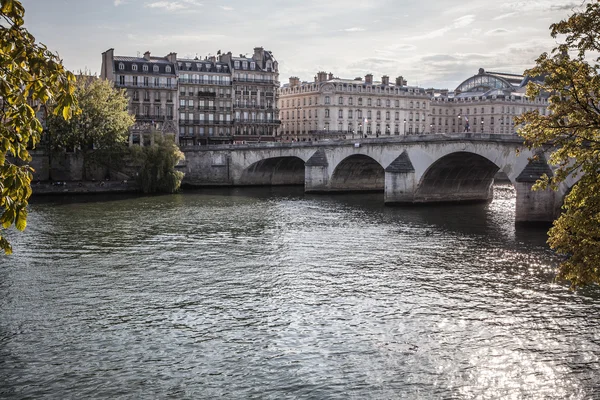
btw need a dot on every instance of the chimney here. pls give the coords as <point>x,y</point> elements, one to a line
<point>385,80</point>
<point>294,81</point>
<point>226,58</point>
<point>212,59</point>
<point>108,66</point>
<point>147,56</point>
<point>369,79</point>
<point>400,81</point>
<point>259,55</point>
<point>172,57</point>
<point>322,76</point>
<point>330,76</point>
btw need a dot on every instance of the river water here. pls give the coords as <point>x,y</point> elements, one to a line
<point>273,294</point>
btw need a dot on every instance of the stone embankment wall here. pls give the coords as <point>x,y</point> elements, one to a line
<point>62,173</point>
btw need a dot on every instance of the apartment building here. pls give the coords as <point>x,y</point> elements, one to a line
<point>218,99</point>
<point>330,107</point>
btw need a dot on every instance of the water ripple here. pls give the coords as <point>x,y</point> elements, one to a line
<point>275,294</point>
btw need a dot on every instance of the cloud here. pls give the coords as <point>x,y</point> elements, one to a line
<point>439,57</point>
<point>458,23</point>
<point>539,5</point>
<point>564,7</point>
<point>227,8</point>
<point>498,31</point>
<point>172,5</point>
<point>117,3</point>
<point>463,21</point>
<point>354,29</point>
<point>169,6</point>
<point>507,15</point>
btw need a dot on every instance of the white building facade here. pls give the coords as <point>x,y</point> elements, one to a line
<point>331,107</point>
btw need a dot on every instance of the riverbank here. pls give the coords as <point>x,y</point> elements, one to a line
<point>45,188</point>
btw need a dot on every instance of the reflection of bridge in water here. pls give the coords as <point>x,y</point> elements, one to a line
<point>408,169</point>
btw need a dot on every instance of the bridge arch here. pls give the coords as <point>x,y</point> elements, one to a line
<point>284,170</point>
<point>457,177</point>
<point>358,172</point>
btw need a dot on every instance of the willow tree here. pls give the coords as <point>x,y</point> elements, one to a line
<point>30,76</point>
<point>157,164</point>
<point>571,133</point>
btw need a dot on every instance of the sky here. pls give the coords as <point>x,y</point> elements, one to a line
<point>432,43</point>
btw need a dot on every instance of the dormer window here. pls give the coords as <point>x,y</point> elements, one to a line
<point>145,67</point>
<point>252,65</point>
<point>245,65</point>
<point>121,66</point>
<point>168,68</point>
<point>155,68</point>
<point>134,67</point>
<point>237,65</point>
<point>198,66</point>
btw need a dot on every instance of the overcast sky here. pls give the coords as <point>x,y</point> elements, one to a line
<point>432,43</point>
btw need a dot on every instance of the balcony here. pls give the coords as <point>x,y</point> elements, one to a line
<point>203,82</point>
<point>257,121</point>
<point>203,122</point>
<point>148,86</point>
<point>254,106</point>
<point>156,118</point>
<point>207,94</point>
<point>260,81</point>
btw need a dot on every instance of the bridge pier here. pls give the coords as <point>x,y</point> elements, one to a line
<point>538,205</point>
<point>400,183</point>
<point>316,176</point>
<point>534,205</point>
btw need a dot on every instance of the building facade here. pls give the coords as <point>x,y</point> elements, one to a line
<point>333,108</point>
<point>220,99</point>
<point>151,85</point>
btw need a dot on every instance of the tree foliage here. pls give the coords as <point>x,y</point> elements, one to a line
<point>571,133</point>
<point>30,75</point>
<point>157,162</point>
<point>103,124</point>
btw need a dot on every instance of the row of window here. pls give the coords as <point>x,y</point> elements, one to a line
<point>352,88</point>
<point>155,111</point>
<point>359,114</point>
<point>350,102</point>
<point>134,67</point>
<point>368,128</point>
<point>127,80</point>
<point>136,95</point>
<point>504,110</point>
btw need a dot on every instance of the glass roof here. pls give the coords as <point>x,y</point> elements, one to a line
<point>483,83</point>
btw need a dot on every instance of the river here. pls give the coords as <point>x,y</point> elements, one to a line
<point>273,294</point>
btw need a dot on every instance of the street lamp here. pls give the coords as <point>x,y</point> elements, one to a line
<point>481,124</point>
<point>430,128</point>
<point>404,126</point>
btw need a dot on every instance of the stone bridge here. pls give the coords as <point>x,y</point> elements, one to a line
<point>408,169</point>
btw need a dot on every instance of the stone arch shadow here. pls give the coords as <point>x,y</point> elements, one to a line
<point>457,177</point>
<point>275,171</point>
<point>358,173</point>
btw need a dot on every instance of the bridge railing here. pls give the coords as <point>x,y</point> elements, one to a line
<point>437,137</point>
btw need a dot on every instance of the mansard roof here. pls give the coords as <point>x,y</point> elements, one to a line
<point>197,65</point>
<point>129,62</point>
